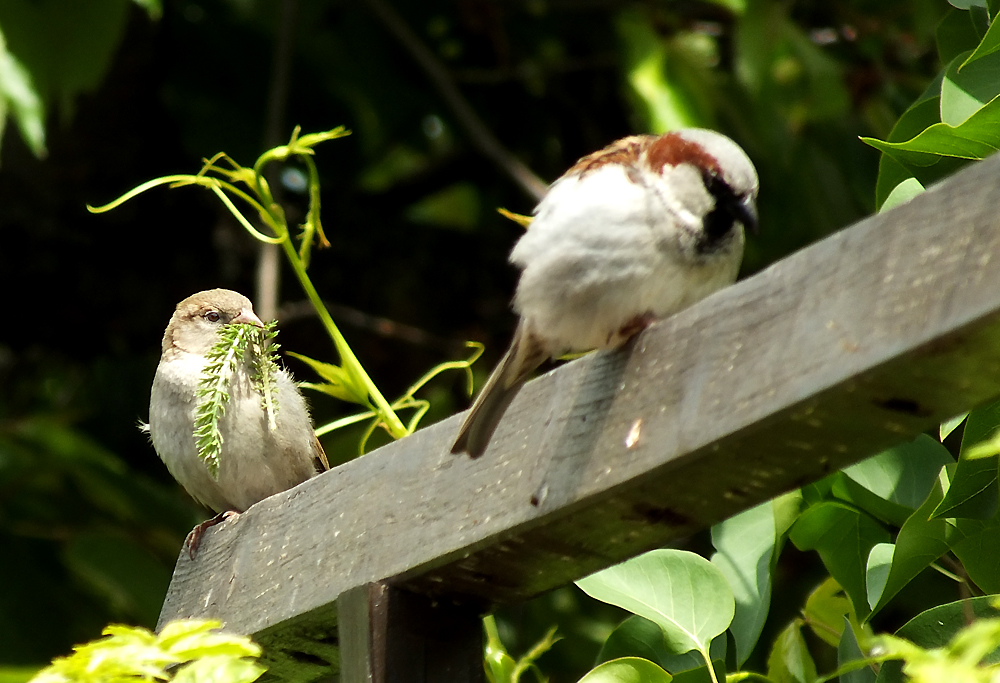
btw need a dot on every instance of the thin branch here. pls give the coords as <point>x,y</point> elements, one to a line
<point>269,258</point>
<point>479,134</point>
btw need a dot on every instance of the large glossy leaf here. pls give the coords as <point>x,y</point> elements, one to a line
<point>976,138</point>
<point>955,34</point>
<point>987,46</point>
<point>894,483</point>
<point>843,536</point>
<point>745,545</point>
<point>683,593</point>
<point>974,491</point>
<point>966,91</point>
<point>627,670</point>
<point>640,637</point>
<point>920,541</point>
<point>67,46</point>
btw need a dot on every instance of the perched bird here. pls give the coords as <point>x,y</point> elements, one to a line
<point>257,460</point>
<point>632,233</point>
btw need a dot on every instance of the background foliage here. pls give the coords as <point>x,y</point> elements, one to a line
<point>102,95</point>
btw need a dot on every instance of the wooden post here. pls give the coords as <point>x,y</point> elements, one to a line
<point>845,348</point>
<point>389,635</point>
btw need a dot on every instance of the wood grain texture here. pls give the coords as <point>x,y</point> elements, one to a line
<point>847,347</point>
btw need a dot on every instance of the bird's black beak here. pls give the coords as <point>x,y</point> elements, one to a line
<point>745,212</point>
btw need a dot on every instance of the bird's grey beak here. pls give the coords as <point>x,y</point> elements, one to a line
<point>746,213</point>
<point>247,317</point>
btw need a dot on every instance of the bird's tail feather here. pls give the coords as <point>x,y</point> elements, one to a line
<point>524,355</point>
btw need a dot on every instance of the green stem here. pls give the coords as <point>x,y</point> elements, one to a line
<point>711,668</point>
<point>347,358</point>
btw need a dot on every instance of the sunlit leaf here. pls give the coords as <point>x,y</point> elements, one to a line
<point>825,610</point>
<point>683,593</point>
<point>627,670</point>
<point>920,541</point>
<point>745,545</point>
<point>966,91</point>
<point>902,193</point>
<point>339,382</point>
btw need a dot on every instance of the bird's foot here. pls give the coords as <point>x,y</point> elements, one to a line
<point>193,539</point>
<point>632,327</point>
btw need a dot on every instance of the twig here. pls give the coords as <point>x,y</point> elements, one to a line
<point>481,136</point>
<point>269,257</point>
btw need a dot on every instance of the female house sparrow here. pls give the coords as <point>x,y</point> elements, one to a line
<point>634,232</point>
<point>256,461</point>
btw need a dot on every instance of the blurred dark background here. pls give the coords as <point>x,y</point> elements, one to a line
<point>90,522</point>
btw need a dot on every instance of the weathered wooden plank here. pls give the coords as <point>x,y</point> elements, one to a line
<point>858,342</point>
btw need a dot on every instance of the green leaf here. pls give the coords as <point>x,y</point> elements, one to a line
<point>974,491</point>
<point>988,46</point>
<point>948,426</point>
<point>922,114</point>
<point>683,593</point>
<point>902,193</point>
<point>746,545</point>
<point>67,46</point>
<point>844,537</point>
<point>825,610</point>
<point>340,384</point>
<point>640,637</point>
<point>983,423</point>
<point>667,105</point>
<point>978,551</point>
<point>936,627</point>
<point>848,650</point>
<point>955,34</point>
<point>154,8</point>
<point>976,138</point>
<point>895,482</point>
<point>627,670</point>
<point>229,352</point>
<point>965,92</point>
<point>920,541</point>
<point>636,637</point>
<point>789,660</point>
<point>19,97</point>
<point>879,564</point>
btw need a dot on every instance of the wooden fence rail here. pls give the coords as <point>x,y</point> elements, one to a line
<point>854,344</point>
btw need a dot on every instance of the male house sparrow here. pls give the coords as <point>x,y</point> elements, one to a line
<point>256,461</point>
<point>634,232</point>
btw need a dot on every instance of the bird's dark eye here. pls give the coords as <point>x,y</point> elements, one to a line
<point>212,316</point>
